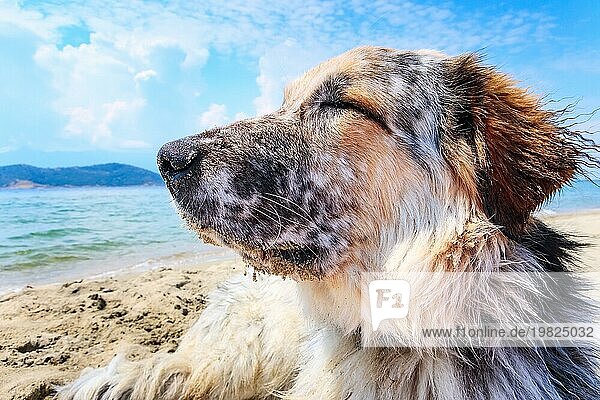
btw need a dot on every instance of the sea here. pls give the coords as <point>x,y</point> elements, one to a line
<point>56,234</point>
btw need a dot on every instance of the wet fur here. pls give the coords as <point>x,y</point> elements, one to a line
<point>378,160</point>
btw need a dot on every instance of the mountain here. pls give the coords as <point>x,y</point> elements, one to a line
<point>22,175</point>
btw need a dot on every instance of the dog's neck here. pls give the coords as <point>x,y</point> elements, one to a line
<point>470,245</point>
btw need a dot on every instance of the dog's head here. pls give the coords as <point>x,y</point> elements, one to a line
<point>369,148</point>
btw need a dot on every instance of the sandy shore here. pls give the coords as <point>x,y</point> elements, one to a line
<point>586,226</point>
<point>49,333</point>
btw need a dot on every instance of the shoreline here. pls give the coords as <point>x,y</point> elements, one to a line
<point>30,185</point>
<point>566,221</point>
<point>186,257</point>
<point>177,260</point>
<point>544,213</point>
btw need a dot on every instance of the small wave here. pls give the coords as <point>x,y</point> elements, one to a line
<point>50,233</point>
<point>72,248</point>
<point>99,246</point>
<point>57,254</point>
<point>25,220</point>
<point>65,210</point>
<point>42,259</point>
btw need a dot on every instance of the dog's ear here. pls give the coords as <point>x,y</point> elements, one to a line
<point>511,153</point>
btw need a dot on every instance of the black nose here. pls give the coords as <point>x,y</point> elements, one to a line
<point>176,158</point>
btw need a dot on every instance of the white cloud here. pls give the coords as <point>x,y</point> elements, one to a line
<point>79,119</point>
<point>7,149</point>
<point>137,29</point>
<point>216,115</point>
<point>97,84</point>
<point>144,75</point>
<point>240,116</point>
<point>96,91</point>
<point>278,66</point>
<point>133,144</point>
<point>587,61</point>
<point>97,121</point>
<point>40,24</point>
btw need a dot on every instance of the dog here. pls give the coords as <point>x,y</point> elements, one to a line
<point>377,160</point>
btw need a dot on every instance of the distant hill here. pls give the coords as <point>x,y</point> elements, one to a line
<point>22,175</point>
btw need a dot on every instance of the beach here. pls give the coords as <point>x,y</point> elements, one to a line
<point>585,225</point>
<point>49,333</point>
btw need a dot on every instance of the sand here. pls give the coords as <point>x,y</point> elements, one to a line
<point>48,334</point>
<point>586,227</point>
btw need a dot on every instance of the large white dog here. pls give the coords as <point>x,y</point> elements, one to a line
<point>378,160</point>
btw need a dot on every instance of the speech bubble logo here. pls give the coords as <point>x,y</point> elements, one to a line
<point>388,300</point>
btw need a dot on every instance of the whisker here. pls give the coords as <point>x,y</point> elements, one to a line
<point>280,229</point>
<point>263,214</point>
<point>290,220</point>
<point>287,208</point>
<point>289,201</point>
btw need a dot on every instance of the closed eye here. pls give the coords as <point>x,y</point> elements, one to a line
<point>342,105</point>
<point>345,105</point>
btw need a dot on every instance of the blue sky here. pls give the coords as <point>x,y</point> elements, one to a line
<point>86,82</point>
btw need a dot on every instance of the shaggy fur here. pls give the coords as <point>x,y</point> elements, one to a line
<point>378,161</point>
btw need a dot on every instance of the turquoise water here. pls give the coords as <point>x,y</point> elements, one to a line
<point>61,233</point>
<point>581,195</point>
<point>49,235</point>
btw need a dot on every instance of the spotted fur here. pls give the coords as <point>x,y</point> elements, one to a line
<point>377,161</point>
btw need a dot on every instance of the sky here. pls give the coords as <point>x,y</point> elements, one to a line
<point>87,82</point>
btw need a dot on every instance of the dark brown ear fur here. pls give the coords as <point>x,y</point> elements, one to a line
<point>507,150</point>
